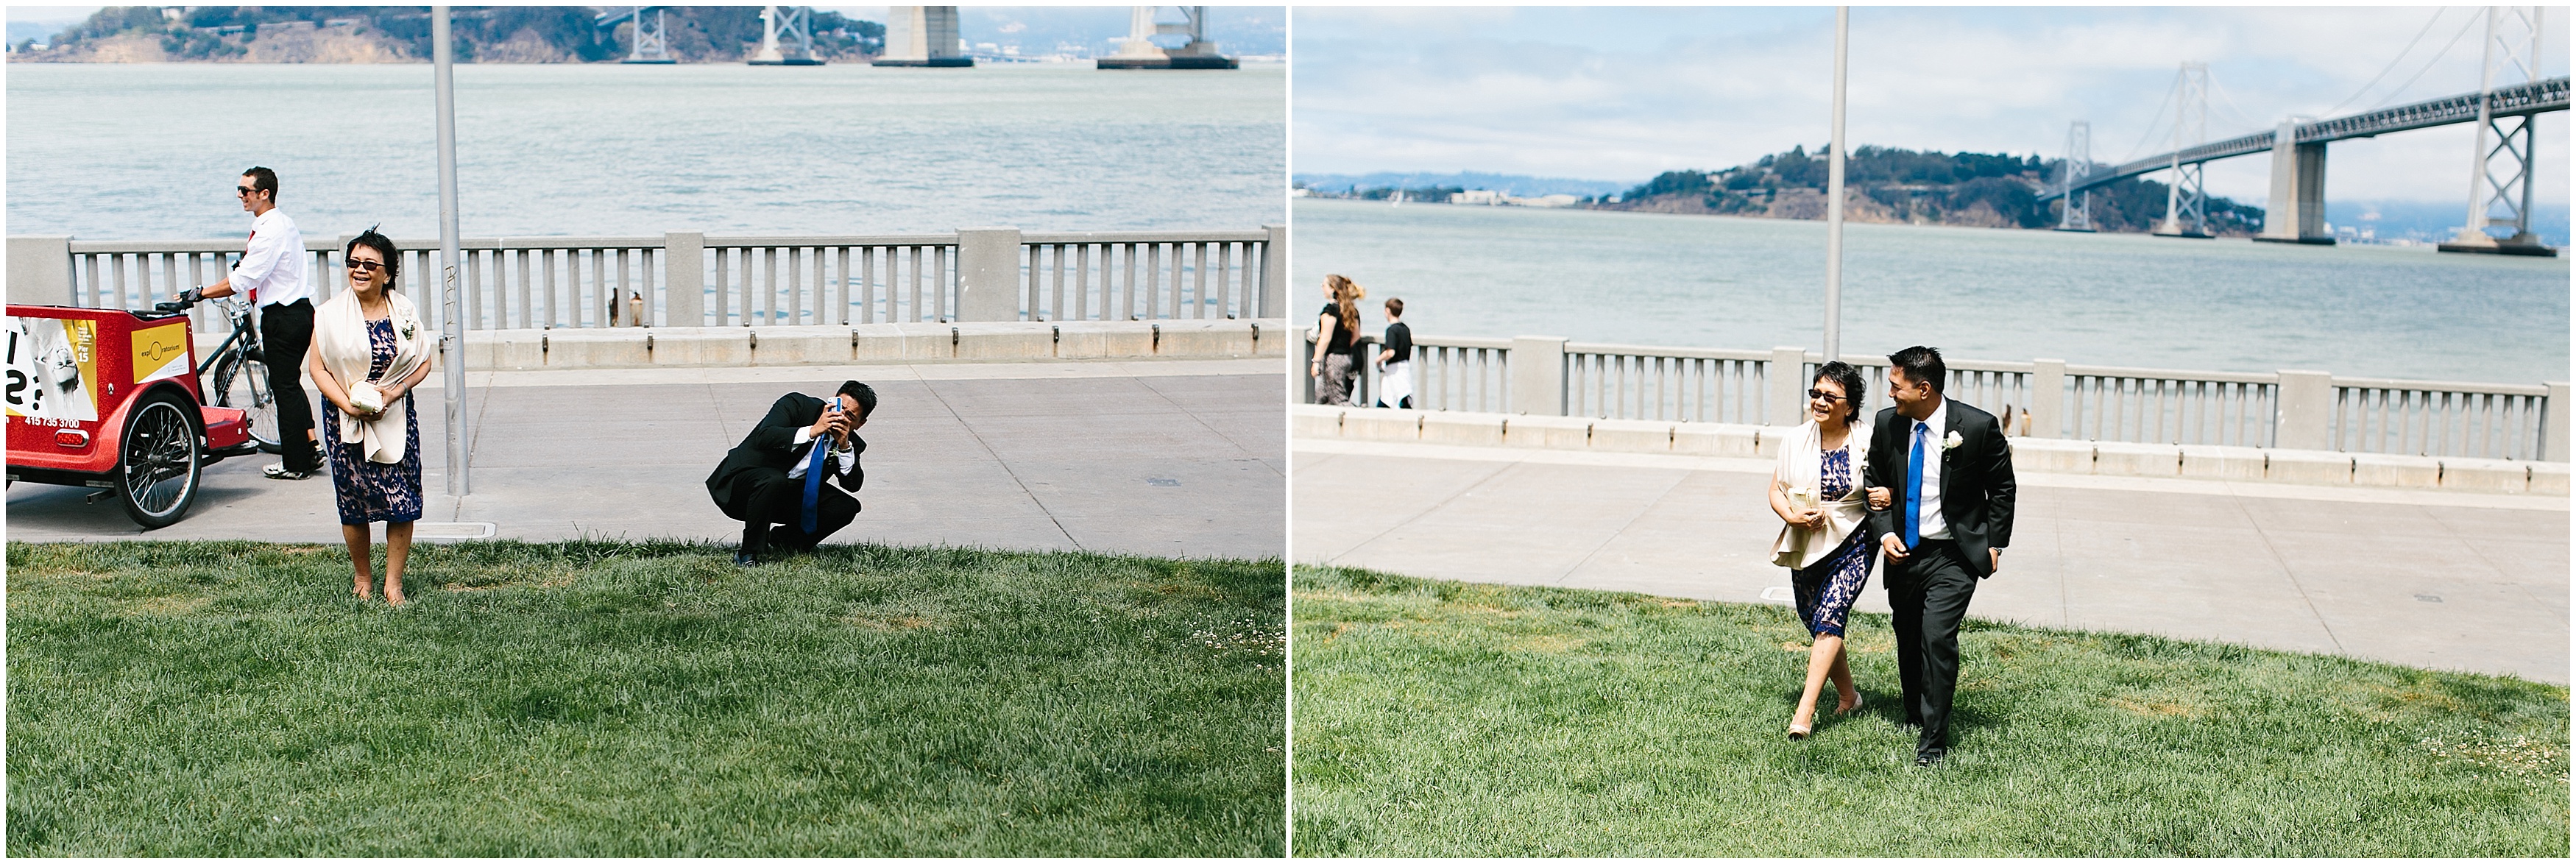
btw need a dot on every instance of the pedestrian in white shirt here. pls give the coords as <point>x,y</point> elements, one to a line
<point>272,273</point>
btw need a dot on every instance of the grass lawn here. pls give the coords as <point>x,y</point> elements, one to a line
<point>599,698</point>
<point>1447,719</point>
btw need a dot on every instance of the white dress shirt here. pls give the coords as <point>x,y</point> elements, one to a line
<point>1928,523</point>
<point>844,458</point>
<point>272,271</point>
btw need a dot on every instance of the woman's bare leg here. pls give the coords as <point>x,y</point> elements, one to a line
<point>1820,662</point>
<point>397,549</point>
<point>1842,678</point>
<point>360,549</point>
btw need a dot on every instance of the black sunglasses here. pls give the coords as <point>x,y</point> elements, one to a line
<point>366,266</point>
<point>243,190</point>
<point>1813,393</point>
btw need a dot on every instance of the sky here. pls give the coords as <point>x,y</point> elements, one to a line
<point>1625,93</point>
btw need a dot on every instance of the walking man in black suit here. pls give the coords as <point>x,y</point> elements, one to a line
<point>774,477</point>
<point>1945,523</point>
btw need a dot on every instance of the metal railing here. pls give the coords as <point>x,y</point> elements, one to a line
<point>1643,383</point>
<point>2040,398</point>
<point>1133,275</point>
<point>2373,415</point>
<point>687,279</point>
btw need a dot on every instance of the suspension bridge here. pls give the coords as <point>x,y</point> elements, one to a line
<point>2510,97</point>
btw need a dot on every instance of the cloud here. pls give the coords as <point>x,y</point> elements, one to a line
<point>1626,93</point>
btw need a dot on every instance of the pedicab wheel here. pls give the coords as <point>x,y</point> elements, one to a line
<point>157,465</point>
<point>241,381</point>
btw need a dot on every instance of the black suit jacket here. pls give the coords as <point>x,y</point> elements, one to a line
<point>771,446</point>
<point>1976,479</point>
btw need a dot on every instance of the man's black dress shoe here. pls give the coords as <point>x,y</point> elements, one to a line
<point>745,559</point>
<point>1927,758</point>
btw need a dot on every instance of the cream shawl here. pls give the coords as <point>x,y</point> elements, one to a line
<point>340,338</point>
<point>1801,470</point>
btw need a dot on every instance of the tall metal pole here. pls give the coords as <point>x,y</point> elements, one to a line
<point>1834,195</point>
<point>460,480</point>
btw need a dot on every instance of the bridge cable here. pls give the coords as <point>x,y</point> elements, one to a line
<point>2154,127</point>
<point>2392,63</point>
<point>2235,110</point>
<point>2428,65</point>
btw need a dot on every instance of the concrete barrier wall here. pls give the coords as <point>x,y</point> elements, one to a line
<point>2031,455</point>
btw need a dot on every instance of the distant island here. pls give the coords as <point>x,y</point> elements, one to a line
<point>400,34</point>
<point>1881,184</point>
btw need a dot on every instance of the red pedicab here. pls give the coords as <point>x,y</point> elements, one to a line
<point>109,399</point>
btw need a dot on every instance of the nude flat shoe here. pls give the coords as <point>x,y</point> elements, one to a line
<point>1857,702</point>
<point>1799,733</point>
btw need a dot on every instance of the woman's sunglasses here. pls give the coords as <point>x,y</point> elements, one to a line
<point>1813,393</point>
<point>366,266</point>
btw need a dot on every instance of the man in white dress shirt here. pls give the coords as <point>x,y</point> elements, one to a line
<point>274,275</point>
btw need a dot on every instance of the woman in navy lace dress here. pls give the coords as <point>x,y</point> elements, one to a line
<point>1825,543</point>
<point>368,353</point>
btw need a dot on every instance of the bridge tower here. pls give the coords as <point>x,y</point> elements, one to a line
<point>2077,212</point>
<point>2500,188</point>
<point>788,21</point>
<point>922,36</point>
<point>2186,212</point>
<point>649,44</point>
<point>1140,52</point>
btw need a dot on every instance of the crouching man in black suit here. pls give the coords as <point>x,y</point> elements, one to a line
<point>774,477</point>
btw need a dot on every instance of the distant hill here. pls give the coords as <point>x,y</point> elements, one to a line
<point>1516,185</point>
<point>396,34</point>
<point>1884,184</point>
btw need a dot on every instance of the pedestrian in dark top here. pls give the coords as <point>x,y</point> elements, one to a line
<point>1337,340</point>
<point>1395,359</point>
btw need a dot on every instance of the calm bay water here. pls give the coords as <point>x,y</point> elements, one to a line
<point>151,151</point>
<point>2108,299</point>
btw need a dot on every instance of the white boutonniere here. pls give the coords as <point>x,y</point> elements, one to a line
<point>1953,441</point>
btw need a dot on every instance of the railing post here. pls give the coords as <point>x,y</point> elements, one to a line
<point>1538,375</point>
<point>988,274</point>
<point>2307,411</point>
<point>1274,273</point>
<point>2047,398</point>
<point>40,271</point>
<point>1785,386</point>
<point>2553,418</point>
<point>1305,365</point>
<point>684,268</point>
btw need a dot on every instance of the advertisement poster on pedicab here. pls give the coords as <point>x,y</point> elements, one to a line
<point>52,369</point>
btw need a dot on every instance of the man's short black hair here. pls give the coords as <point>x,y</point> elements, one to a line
<point>263,180</point>
<point>867,397</point>
<point>1922,364</point>
<point>1395,306</point>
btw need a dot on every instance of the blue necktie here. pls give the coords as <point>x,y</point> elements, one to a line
<point>1914,488</point>
<point>814,482</point>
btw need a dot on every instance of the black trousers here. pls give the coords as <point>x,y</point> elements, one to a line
<point>770,498</point>
<point>1930,593</point>
<point>285,331</point>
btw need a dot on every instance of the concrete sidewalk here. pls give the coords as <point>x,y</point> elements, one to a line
<point>1178,458</point>
<point>2434,579</point>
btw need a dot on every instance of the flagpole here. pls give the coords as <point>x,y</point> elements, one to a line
<point>1834,195</point>
<point>460,475</point>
